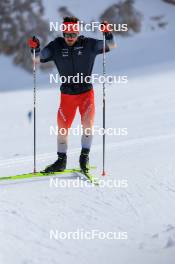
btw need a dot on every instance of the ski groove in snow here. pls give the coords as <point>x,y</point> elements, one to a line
<point>125,143</point>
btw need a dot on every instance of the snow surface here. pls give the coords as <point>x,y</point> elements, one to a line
<point>145,158</point>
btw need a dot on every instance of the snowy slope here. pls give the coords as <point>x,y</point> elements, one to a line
<point>145,158</point>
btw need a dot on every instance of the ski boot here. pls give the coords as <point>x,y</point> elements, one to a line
<point>58,165</point>
<point>84,160</point>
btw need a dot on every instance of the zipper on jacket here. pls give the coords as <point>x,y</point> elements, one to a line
<point>73,65</point>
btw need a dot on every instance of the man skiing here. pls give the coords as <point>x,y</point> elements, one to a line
<point>72,55</point>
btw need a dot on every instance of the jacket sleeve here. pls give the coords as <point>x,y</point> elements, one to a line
<point>46,53</point>
<point>98,44</point>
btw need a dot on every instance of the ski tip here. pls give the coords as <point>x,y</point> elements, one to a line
<point>103,173</point>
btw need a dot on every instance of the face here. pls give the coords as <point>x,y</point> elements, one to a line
<point>70,38</point>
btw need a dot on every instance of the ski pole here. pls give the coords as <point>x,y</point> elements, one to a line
<point>34,111</point>
<point>104,102</point>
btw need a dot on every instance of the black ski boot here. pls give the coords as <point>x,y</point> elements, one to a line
<point>58,165</point>
<point>84,160</point>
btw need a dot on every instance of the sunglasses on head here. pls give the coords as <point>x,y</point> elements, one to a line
<point>70,35</point>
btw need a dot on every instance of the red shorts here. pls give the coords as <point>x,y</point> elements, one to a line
<point>68,106</point>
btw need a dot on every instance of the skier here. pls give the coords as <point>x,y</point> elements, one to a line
<point>29,115</point>
<point>72,55</point>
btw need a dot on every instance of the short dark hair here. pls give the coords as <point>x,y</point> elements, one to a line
<point>70,19</point>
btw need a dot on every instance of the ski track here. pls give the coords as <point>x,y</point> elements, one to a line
<point>30,208</point>
<point>12,162</point>
<point>95,204</point>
